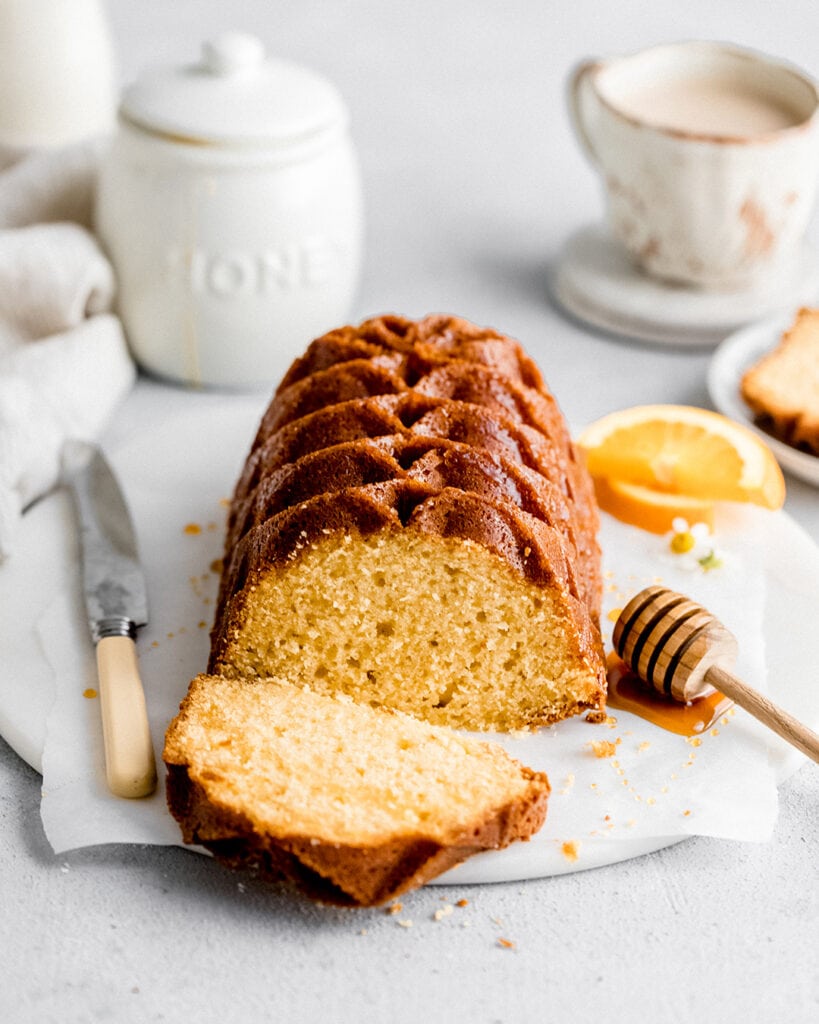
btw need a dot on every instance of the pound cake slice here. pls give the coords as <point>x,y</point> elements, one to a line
<point>354,804</point>
<point>783,387</point>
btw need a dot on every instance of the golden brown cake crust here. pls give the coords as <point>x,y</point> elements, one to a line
<point>422,416</point>
<point>436,462</point>
<point>344,874</point>
<point>457,380</point>
<point>413,348</point>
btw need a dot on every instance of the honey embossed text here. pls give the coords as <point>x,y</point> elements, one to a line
<point>234,274</point>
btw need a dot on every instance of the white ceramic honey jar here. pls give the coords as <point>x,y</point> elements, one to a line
<point>230,205</point>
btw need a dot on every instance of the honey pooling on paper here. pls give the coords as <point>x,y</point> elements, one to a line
<point>628,692</point>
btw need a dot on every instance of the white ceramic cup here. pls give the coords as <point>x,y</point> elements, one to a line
<point>709,156</point>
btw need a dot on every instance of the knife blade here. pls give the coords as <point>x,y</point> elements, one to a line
<point>117,605</point>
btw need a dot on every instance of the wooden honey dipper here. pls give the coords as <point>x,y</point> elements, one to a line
<point>685,652</point>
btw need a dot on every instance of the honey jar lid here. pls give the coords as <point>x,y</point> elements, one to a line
<point>235,94</point>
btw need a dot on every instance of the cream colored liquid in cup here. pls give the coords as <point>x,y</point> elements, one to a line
<point>708,105</point>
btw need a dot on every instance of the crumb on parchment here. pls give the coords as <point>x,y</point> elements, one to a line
<point>604,748</point>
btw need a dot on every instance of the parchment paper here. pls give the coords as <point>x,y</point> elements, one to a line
<point>654,785</point>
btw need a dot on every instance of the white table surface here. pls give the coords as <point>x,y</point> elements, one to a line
<point>472,182</point>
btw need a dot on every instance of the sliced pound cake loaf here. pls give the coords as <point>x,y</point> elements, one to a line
<point>411,546</point>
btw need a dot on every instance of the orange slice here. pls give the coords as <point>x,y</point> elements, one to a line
<point>683,450</point>
<point>654,511</point>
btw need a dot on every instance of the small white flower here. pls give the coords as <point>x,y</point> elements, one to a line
<point>692,547</point>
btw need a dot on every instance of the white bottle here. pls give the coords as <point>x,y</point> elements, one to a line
<point>57,79</point>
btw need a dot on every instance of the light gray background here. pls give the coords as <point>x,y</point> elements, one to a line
<point>472,181</point>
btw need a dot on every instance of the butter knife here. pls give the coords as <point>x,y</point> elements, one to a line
<point>117,605</point>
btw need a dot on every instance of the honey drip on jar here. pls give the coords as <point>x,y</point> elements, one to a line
<point>627,692</point>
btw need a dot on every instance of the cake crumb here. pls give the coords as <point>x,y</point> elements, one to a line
<point>192,529</point>
<point>643,746</point>
<point>363,931</point>
<point>604,748</point>
<point>89,693</point>
<point>443,912</point>
<point>596,716</point>
<point>405,922</point>
<point>568,782</point>
<point>506,943</point>
<point>570,850</point>
<point>394,908</point>
<point>694,741</point>
<point>462,903</point>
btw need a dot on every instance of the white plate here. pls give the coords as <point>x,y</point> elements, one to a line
<point>598,283</point>
<point>180,473</point>
<point>730,361</point>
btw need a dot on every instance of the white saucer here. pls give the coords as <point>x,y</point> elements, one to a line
<point>596,282</point>
<point>734,356</point>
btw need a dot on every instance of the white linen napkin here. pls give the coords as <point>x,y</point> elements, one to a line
<point>64,363</point>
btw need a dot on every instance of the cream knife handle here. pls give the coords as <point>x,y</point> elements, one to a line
<point>130,766</point>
